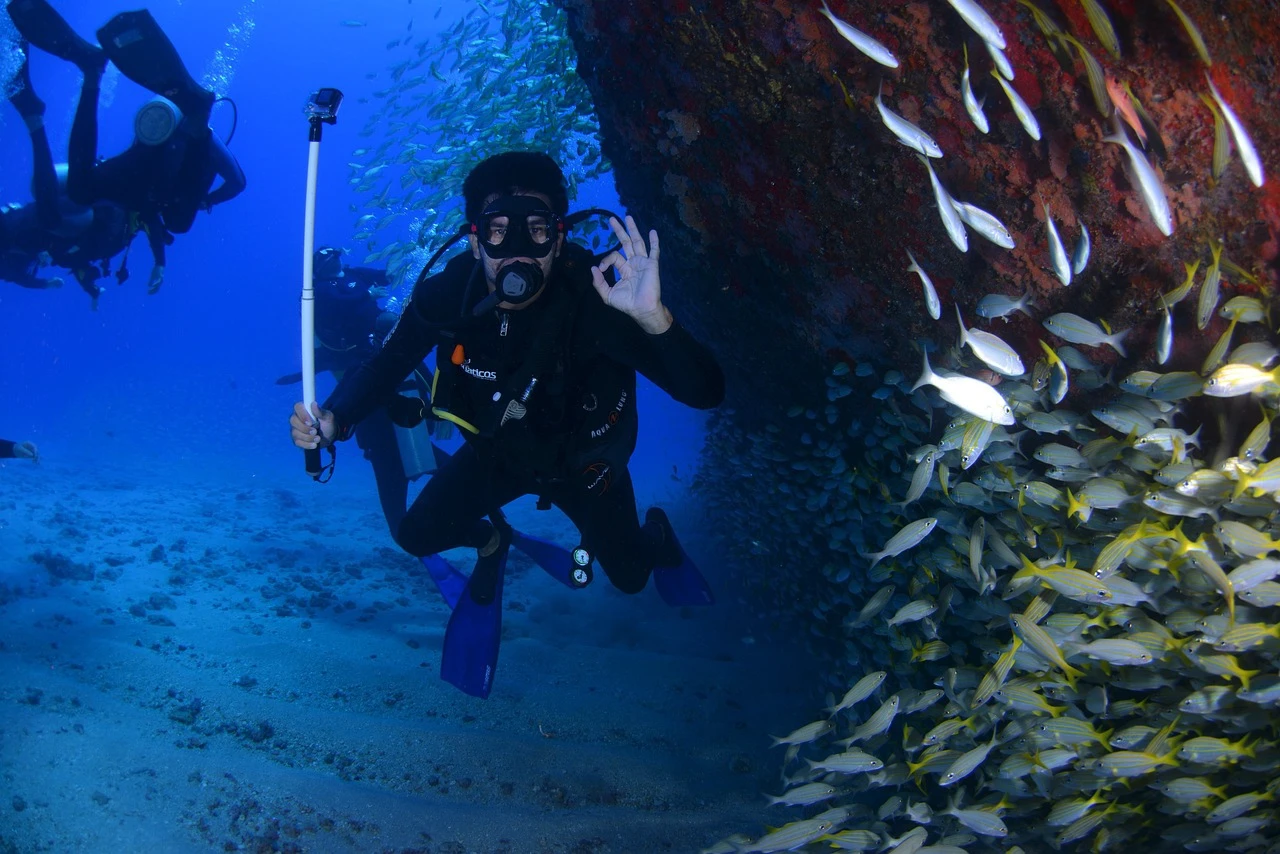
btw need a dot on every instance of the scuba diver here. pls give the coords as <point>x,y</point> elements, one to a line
<point>19,450</point>
<point>164,177</point>
<point>349,330</point>
<point>53,230</point>
<point>537,355</point>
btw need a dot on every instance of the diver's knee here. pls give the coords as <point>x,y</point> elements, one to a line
<point>630,583</point>
<point>409,538</point>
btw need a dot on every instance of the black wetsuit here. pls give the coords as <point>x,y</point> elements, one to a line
<point>166,184</point>
<point>573,445</point>
<point>78,241</point>
<point>6,449</point>
<point>349,329</point>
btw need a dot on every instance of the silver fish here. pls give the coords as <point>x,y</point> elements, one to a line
<point>971,104</point>
<point>930,294</point>
<point>907,133</point>
<point>863,42</point>
<point>1248,154</point>
<point>984,223</point>
<point>1080,256</point>
<point>1149,184</point>
<point>1057,252</point>
<point>908,537</point>
<point>995,353</point>
<point>861,689</point>
<point>967,763</point>
<point>998,305</point>
<point>1077,330</point>
<point>946,209</point>
<point>981,23</point>
<point>1164,338</point>
<point>971,395</point>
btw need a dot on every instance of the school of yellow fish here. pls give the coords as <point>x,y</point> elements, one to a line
<point>1061,626</point>
<point>497,79</point>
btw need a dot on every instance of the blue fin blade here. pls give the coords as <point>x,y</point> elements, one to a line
<point>683,585</point>
<point>556,561</point>
<point>449,581</point>
<point>470,655</point>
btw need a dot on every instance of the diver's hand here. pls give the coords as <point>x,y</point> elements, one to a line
<point>26,451</point>
<point>637,291</point>
<point>378,291</point>
<point>156,280</point>
<point>305,427</point>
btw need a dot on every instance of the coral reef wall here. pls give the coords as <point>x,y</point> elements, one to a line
<point>747,134</point>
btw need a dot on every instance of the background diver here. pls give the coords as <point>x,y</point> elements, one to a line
<point>537,357</point>
<point>52,230</point>
<point>349,329</point>
<point>19,450</point>
<point>165,176</point>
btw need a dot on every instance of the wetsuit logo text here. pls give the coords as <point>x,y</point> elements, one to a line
<point>491,376</point>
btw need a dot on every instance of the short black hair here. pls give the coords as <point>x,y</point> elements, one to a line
<point>512,172</point>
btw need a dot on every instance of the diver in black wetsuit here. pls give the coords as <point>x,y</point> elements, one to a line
<point>349,329</point>
<point>537,356</point>
<point>53,230</point>
<point>19,450</point>
<point>164,178</point>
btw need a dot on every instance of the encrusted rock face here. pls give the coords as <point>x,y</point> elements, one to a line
<point>747,134</point>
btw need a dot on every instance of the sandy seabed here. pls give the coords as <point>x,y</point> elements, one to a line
<point>239,665</point>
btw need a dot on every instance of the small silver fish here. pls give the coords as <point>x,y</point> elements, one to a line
<point>861,689</point>
<point>906,538</point>
<point>946,209</point>
<point>1057,252</point>
<point>931,301</point>
<point>1080,256</point>
<point>981,23</point>
<point>998,305</point>
<point>907,133</point>
<point>972,105</point>
<point>1077,330</point>
<point>972,395</point>
<point>1248,154</point>
<point>1000,61</point>
<point>863,42</point>
<point>1164,338</point>
<point>984,223</point>
<point>1149,184</point>
<point>995,353</point>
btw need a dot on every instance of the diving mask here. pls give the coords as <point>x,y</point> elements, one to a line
<point>518,227</point>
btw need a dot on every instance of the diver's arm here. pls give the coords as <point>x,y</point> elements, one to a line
<point>6,449</point>
<point>233,180</point>
<point>26,279</point>
<point>673,360</point>
<point>365,388</point>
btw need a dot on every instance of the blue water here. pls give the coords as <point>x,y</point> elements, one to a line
<point>167,471</point>
<point>187,373</point>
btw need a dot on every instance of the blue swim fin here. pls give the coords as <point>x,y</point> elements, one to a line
<point>570,568</point>
<point>470,655</point>
<point>681,584</point>
<point>449,581</point>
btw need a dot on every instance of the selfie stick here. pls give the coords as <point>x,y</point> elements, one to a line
<point>321,109</point>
